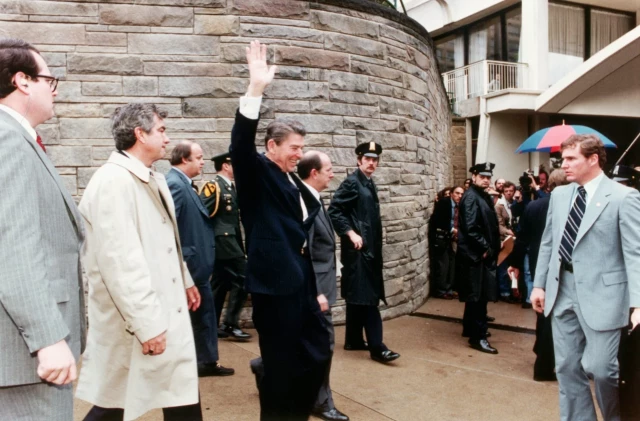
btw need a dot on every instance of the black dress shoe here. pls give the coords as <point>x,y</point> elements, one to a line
<point>466,335</point>
<point>491,319</point>
<point>545,377</point>
<point>209,370</point>
<point>482,345</point>
<point>330,415</point>
<point>357,347</point>
<point>385,356</point>
<point>235,332</point>
<point>222,334</point>
<point>527,305</point>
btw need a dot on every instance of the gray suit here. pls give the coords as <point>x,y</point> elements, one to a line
<point>322,248</point>
<point>589,306</point>
<point>41,288</point>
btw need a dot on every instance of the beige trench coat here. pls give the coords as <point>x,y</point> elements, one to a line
<point>137,282</point>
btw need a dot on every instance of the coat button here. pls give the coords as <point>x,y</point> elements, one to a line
<point>179,309</point>
<point>164,220</point>
<point>169,250</point>
<point>174,280</point>
<point>226,234</point>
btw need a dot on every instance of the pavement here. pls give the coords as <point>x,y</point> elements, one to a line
<point>438,376</point>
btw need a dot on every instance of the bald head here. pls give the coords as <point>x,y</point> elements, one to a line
<point>315,169</point>
<point>188,157</point>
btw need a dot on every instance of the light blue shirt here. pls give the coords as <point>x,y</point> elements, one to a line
<point>183,174</point>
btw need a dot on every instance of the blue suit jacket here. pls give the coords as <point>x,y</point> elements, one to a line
<point>196,231</point>
<point>271,215</point>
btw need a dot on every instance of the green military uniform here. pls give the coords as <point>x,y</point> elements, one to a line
<point>221,200</point>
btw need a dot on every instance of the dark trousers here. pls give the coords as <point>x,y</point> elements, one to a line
<point>177,413</point>
<point>294,345</point>
<point>228,277</point>
<point>543,348</point>
<point>474,321</point>
<point>445,272</point>
<point>324,401</point>
<point>361,317</point>
<point>205,326</point>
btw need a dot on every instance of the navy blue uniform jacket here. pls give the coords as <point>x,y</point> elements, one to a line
<point>271,214</point>
<point>197,237</point>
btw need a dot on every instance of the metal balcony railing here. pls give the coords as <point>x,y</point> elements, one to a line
<point>483,77</point>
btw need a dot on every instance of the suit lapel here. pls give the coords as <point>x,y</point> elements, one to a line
<point>191,193</point>
<point>75,217</point>
<point>598,202</point>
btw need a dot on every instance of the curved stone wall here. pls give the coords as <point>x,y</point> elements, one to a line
<point>351,71</point>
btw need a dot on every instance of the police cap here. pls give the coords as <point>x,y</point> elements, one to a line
<point>485,168</point>
<point>222,158</point>
<point>625,173</point>
<point>370,149</point>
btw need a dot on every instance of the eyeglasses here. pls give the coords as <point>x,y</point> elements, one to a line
<point>53,81</point>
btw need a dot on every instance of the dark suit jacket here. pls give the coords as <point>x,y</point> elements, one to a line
<point>532,223</point>
<point>271,214</point>
<point>196,231</point>
<point>322,246</point>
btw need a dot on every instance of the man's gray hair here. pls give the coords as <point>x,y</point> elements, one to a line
<point>126,118</point>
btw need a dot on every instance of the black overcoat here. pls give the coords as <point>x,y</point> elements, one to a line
<point>355,207</point>
<point>478,234</point>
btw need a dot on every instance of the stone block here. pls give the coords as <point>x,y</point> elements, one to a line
<point>279,31</point>
<point>335,22</point>
<point>387,140</point>
<point>413,127</point>
<point>55,59</point>
<point>101,153</point>
<point>393,287</point>
<point>286,106</point>
<point>50,133</point>
<point>341,157</point>
<point>418,251</point>
<point>210,107</point>
<point>336,108</point>
<point>314,58</point>
<point>186,69</point>
<point>353,98</point>
<point>354,45</point>
<point>236,53</point>
<point>416,85</point>
<point>41,33</point>
<point>376,70</point>
<point>101,88</point>
<point>173,44</point>
<point>316,123</point>
<point>297,90</point>
<point>70,156</point>
<point>344,141</point>
<point>411,190</point>
<point>49,8</point>
<point>391,252</point>
<point>84,175</point>
<point>85,128</point>
<point>395,106</point>
<point>399,53</point>
<point>387,176</point>
<point>107,39</point>
<point>70,183</point>
<point>317,140</point>
<point>274,8</point>
<point>137,15</point>
<point>195,86</point>
<point>344,81</point>
<point>284,72</point>
<point>104,63</point>
<point>216,25</point>
<point>140,85</point>
<point>370,124</point>
<point>191,125</point>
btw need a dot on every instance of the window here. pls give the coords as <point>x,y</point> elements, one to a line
<point>450,53</point>
<point>485,41</point>
<point>607,27</point>
<point>513,21</point>
<point>566,40</point>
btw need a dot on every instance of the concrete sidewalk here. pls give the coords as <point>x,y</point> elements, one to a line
<point>438,376</point>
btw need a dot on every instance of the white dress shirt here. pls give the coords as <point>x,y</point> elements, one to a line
<point>590,189</point>
<point>20,119</point>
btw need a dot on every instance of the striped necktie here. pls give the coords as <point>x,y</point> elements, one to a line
<point>573,225</point>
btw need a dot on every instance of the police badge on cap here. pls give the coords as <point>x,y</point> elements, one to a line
<point>485,168</point>
<point>370,149</point>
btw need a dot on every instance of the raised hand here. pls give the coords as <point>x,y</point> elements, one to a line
<point>260,74</point>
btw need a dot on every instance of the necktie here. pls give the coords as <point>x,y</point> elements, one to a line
<point>39,140</point>
<point>233,186</point>
<point>573,225</point>
<point>194,186</point>
<point>455,217</point>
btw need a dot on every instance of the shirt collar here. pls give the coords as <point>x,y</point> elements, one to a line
<point>20,119</point>
<point>312,190</point>
<point>592,185</point>
<point>186,177</point>
<point>225,179</point>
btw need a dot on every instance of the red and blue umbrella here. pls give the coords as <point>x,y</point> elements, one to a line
<point>550,139</point>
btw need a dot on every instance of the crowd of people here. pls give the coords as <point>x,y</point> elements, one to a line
<point>161,255</point>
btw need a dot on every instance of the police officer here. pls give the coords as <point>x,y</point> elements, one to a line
<point>220,197</point>
<point>476,261</point>
<point>626,175</point>
<point>355,214</point>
